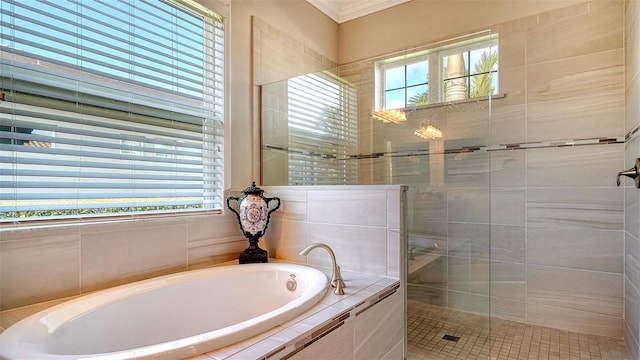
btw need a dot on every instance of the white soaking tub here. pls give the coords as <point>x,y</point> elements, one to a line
<point>171,317</point>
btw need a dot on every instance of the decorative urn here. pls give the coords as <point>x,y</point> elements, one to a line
<point>253,216</point>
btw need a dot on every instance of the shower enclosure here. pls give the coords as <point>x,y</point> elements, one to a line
<point>441,150</point>
<point>513,209</point>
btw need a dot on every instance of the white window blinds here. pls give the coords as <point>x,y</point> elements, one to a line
<point>110,107</point>
<point>322,131</point>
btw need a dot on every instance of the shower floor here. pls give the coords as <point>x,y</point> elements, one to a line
<point>428,324</point>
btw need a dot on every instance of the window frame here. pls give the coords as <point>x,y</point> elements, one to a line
<point>435,74</point>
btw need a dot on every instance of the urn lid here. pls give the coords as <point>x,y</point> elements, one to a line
<point>253,190</point>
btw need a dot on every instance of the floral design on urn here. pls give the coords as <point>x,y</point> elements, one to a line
<point>253,216</point>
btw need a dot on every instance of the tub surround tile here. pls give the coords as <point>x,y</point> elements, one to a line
<point>204,253</point>
<point>395,204</point>
<point>395,254</point>
<point>379,328</point>
<point>38,267</point>
<point>225,228</point>
<point>132,225</point>
<point>333,318</point>
<point>361,248</point>
<point>285,239</point>
<point>337,344</point>
<point>347,208</point>
<point>117,257</point>
<point>369,244</point>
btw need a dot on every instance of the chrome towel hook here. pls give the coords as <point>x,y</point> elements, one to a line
<point>633,173</point>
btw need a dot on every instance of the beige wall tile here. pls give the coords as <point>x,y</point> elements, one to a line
<point>469,205</point>
<point>508,169</point>
<point>353,208</point>
<point>632,315</point>
<point>507,206</point>
<point>574,320</point>
<point>592,74</point>
<point>508,309</point>
<point>358,248</point>
<point>575,35</point>
<point>587,291</point>
<point>379,328</point>
<point>632,105</point>
<point>285,239</point>
<point>586,249</point>
<point>580,208</point>
<point>508,243</point>
<point>508,280</point>
<point>581,118</point>
<point>508,122</point>
<point>119,256</point>
<point>576,166</point>
<point>40,266</point>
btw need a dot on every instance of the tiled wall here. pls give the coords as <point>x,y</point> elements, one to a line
<point>40,264</point>
<point>522,205</point>
<point>361,223</point>
<point>632,195</point>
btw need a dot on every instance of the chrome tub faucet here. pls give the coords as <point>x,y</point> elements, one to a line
<point>336,278</point>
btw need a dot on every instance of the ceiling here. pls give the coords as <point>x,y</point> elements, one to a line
<point>345,10</point>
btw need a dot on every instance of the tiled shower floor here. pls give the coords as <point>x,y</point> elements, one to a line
<point>507,340</point>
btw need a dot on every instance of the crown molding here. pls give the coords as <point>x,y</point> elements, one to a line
<point>344,10</point>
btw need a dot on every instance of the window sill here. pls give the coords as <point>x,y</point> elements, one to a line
<point>457,102</point>
<point>8,225</point>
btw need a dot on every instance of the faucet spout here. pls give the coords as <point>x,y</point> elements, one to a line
<point>336,279</point>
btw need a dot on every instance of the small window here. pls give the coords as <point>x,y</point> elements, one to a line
<point>460,71</point>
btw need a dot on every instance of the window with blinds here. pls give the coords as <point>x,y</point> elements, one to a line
<point>110,108</point>
<point>322,130</point>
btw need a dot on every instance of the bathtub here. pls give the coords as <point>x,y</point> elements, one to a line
<point>168,317</point>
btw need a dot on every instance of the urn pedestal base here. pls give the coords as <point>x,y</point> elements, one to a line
<point>253,255</point>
